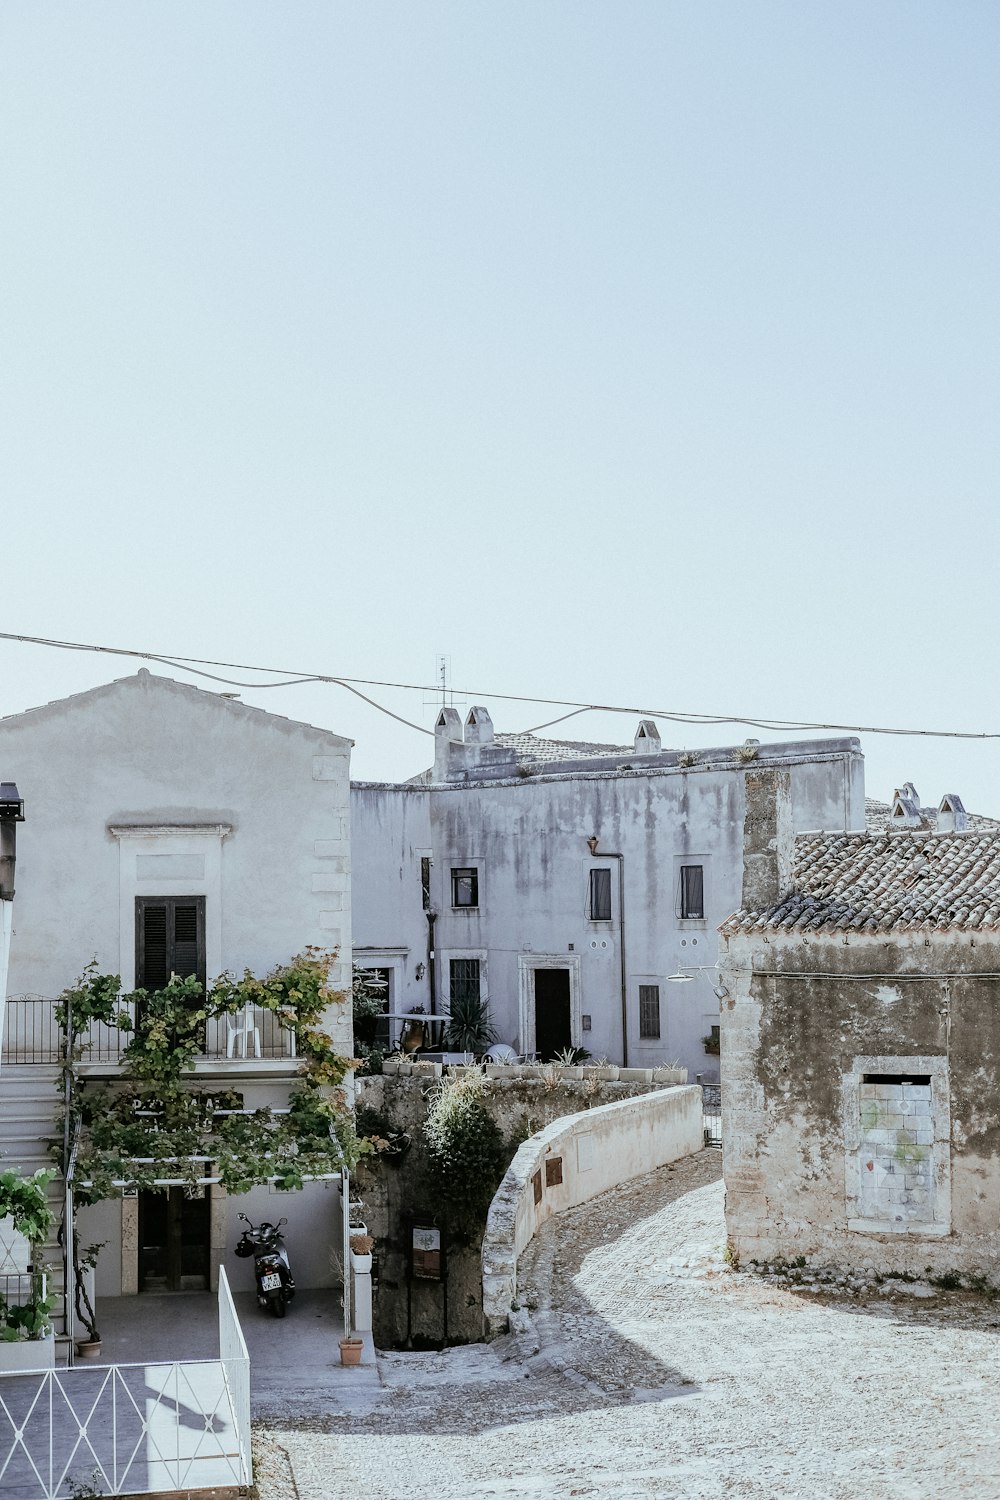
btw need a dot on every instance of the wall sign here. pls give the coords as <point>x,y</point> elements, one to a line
<point>425,1252</point>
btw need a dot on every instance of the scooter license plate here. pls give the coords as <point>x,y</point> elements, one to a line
<point>271,1282</point>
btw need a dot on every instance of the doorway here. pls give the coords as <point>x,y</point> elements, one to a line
<point>174,1241</point>
<point>553,1031</point>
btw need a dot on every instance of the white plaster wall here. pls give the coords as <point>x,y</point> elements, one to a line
<point>598,1149</point>
<point>528,839</point>
<point>147,750</point>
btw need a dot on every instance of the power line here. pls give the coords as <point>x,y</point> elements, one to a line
<point>294,677</point>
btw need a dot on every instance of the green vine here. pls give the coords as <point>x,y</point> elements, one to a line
<point>24,1200</point>
<point>157,1127</point>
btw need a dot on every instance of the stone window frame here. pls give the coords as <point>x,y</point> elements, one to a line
<point>937,1069</point>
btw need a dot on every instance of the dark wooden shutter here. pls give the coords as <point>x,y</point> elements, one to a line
<point>152,965</point>
<point>186,954</point>
<point>169,939</point>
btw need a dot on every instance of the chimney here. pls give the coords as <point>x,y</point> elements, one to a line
<point>951,814</point>
<point>447,732</point>
<point>478,726</point>
<point>768,837</point>
<point>647,738</point>
<point>905,810</point>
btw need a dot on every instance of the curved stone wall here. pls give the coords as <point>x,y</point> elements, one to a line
<point>571,1161</point>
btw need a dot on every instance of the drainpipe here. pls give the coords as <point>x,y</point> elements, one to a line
<point>431,967</point>
<point>592,845</point>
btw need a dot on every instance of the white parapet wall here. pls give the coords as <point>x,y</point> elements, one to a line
<point>571,1161</point>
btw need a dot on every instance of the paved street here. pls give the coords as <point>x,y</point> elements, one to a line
<point>651,1370</point>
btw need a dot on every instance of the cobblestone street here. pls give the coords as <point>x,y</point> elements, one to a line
<point>650,1369</point>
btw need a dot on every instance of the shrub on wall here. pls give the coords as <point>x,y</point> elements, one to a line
<point>465,1146</point>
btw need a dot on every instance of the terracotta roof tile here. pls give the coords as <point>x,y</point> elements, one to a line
<point>908,880</point>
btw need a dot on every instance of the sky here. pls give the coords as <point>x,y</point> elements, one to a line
<point>634,353</point>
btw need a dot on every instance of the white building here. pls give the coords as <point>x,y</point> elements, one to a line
<point>172,829</point>
<point>566,882</point>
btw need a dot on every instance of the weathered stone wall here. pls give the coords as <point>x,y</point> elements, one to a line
<point>861,1108</point>
<point>393,1192</point>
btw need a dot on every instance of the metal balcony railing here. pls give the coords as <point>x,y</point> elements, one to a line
<point>33,1035</point>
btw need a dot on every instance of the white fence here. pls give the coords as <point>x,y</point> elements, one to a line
<point>130,1429</point>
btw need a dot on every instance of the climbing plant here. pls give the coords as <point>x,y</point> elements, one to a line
<point>24,1200</point>
<point>157,1126</point>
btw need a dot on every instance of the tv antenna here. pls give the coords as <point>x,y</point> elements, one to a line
<point>442,697</point>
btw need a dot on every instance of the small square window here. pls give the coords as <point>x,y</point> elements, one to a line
<point>465,887</point>
<point>692,891</point>
<point>649,1012</point>
<point>600,895</point>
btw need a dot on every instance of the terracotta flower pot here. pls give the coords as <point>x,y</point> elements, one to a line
<point>350,1351</point>
<point>89,1349</point>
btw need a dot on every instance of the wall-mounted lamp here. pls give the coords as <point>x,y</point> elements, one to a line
<point>11,813</point>
<point>592,844</point>
<point>420,971</point>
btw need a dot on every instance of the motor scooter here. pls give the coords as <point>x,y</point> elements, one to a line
<point>275,1282</point>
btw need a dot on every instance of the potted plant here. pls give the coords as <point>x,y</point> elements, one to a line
<point>84,1263</point>
<point>470,1029</point>
<point>350,1350</point>
<point>361,1253</point>
<point>26,1341</point>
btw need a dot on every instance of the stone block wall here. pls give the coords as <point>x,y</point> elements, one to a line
<point>396,1191</point>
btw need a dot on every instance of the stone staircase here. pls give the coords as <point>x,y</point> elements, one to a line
<point>28,1105</point>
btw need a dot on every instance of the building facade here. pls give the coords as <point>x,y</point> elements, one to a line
<point>173,830</point>
<point>861,1050</point>
<point>565,883</point>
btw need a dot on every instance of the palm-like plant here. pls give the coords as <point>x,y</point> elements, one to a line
<point>469,1029</point>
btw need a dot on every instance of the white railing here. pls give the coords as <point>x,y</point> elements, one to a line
<point>134,1429</point>
<point>236,1363</point>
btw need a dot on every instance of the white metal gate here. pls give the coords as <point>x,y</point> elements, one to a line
<point>130,1429</point>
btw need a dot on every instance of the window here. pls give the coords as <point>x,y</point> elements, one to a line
<point>169,939</point>
<point>649,1012</point>
<point>896,1157</point>
<point>465,887</point>
<point>464,980</point>
<point>425,882</point>
<point>692,891</point>
<point>600,895</point>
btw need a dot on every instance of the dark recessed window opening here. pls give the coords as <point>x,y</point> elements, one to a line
<point>465,887</point>
<point>600,895</point>
<point>649,1012</point>
<point>921,1078</point>
<point>465,980</point>
<point>425,882</point>
<point>692,891</point>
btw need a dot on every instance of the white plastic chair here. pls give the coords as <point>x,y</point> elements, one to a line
<point>239,1027</point>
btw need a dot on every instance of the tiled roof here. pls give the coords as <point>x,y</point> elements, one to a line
<point>905,881</point>
<point>878,817</point>
<point>529,748</point>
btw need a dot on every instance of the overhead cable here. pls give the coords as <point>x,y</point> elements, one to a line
<point>293,677</point>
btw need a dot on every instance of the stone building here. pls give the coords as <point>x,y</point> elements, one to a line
<point>861,1048</point>
<point>171,829</point>
<point>566,882</point>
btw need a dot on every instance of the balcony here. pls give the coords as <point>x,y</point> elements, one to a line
<point>251,1039</point>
